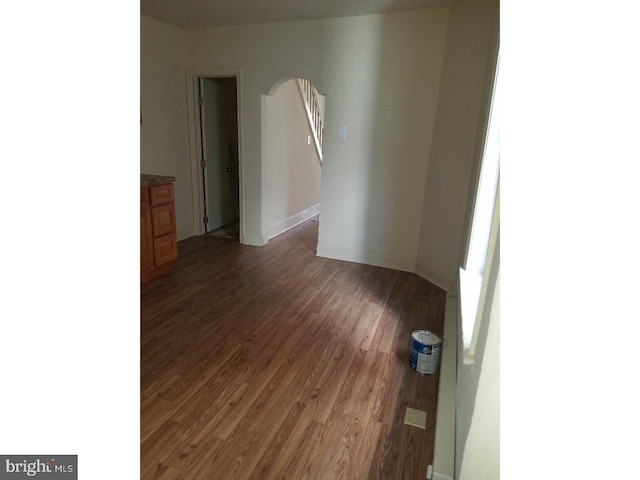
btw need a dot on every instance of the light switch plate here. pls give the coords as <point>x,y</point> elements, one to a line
<point>415,418</point>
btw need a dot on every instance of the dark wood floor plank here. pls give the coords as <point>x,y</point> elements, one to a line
<point>281,454</point>
<point>273,363</point>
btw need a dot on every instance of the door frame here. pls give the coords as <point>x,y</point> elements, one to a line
<point>193,113</point>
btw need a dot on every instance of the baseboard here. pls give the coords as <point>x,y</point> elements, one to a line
<point>366,258</point>
<point>434,277</point>
<point>292,221</point>
<point>445,434</point>
<point>437,476</point>
<point>254,241</point>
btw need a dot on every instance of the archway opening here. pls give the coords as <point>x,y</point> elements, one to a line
<point>292,132</point>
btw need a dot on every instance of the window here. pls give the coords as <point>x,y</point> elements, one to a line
<point>485,225</point>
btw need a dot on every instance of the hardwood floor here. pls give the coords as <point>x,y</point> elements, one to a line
<point>272,363</point>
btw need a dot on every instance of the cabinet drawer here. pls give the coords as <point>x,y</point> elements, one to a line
<point>145,197</point>
<point>163,220</point>
<point>165,249</point>
<point>161,194</point>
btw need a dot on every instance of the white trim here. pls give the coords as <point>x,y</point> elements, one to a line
<point>192,123</point>
<point>489,270</point>
<point>469,286</point>
<point>366,258</point>
<point>434,277</point>
<point>438,476</point>
<point>254,241</point>
<point>292,221</point>
<point>445,434</point>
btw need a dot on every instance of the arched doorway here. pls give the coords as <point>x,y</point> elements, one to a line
<point>292,131</point>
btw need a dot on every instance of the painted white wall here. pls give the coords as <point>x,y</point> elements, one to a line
<point>478,376</point>
<point>380,75</point>
<point>382,81</point>
<point>164,148</point>
<point>462,106</point>
<point>291,166</point>
<point>262,55</point>
<point>467,428</point>
<point>478,404</point>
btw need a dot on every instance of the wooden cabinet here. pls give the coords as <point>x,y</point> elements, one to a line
<point>158,243</point>
<point>146,243</point>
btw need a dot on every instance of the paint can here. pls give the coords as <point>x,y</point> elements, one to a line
<point>425,351</point>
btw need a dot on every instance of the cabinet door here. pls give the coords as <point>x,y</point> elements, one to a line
<point>165,249</point>
<point>146,242</point>
<point>163,219</point>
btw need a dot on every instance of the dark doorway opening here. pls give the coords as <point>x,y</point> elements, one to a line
<point>218,129</point>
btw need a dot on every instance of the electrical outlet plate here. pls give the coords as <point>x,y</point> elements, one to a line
<point>415,418</point>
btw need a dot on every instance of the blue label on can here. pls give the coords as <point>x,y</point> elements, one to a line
<point>424,357</point>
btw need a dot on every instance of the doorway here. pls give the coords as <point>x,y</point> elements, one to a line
<point>218,153</point>
<point>292,132</point>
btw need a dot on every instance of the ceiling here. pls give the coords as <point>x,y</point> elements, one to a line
<point>212,13</point>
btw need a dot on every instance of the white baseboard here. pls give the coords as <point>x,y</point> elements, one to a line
<point>288,223</point>
<point>445,435</point>
<point>431,475</point>
<point>438,476</point>
<point>255,241</point>
<point>434,277</point>
<point>366,258</point>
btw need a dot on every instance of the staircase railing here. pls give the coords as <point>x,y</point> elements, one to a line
<point>314,112</point>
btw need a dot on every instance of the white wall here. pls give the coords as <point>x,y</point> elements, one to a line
<point>479,455</point>
<point>382,84</point>
<point>467,436</point>
<point>478,388</point>
<point>291,184</point>
<point>467,429</point>
<point>462,106</point>
<point>380,75</point>
<point>164,147</point>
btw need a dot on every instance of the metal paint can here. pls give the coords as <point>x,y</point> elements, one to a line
<point>425,351</point>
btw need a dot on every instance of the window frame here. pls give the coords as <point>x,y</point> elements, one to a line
<point>477,266</point>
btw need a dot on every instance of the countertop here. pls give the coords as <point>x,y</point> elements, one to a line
<point>146,180</point>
